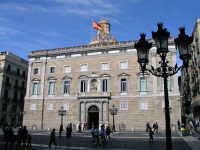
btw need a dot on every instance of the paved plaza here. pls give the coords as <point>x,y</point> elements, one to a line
<point>122,140</point>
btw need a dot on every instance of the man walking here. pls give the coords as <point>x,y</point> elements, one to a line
<point>24,135</point>
<point>9,135</point>
<point>52,138</point>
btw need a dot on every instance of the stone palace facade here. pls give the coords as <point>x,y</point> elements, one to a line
<point>87,80</point>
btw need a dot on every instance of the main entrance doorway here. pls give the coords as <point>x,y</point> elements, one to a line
<point>93,116</point>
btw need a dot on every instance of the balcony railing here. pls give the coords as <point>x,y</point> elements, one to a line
<point>8,85</point>
<point>93,94</point>
<point>12,72</point>
<point>6,99</point>
<point>19,88</point>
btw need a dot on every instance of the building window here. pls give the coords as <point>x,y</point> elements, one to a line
<point>143,105</point>
<point>104,66</point>
<point>84,67</point>
<point>32,106</point>
<point>35,88</point>
<point>49,106</point>
<point>123,64</point>
<point>66,106</point>
<point>104,85</point>
<point>66,87</point>
<point>52,69</point>
<point>51,88</point>
<point>67,69</point>
<point>123,106</point>
<point>83,86</point>
<point>35,71</point>
<point>123,85</point>
<point>143,84</point>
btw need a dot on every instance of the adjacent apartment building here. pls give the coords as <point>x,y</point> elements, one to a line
<point>13,76</point>
<point>88,79</point>
<point>190,82</point>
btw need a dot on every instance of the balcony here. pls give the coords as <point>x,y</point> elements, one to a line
<point>7,85</point>
<point>92,94</point>
<point>7,70</point>
<point>5,99</point>
<point>19,88</point>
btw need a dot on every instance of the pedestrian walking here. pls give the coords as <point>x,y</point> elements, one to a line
<point>60,130</point>
<point>96,135</point>
<point>18,141</point>
<point>79,128</point>
<point>147,126</point>
<point>84,126</point>
<point>102,135</point>
<point>29,141</point>
<point>9,136</point>
<point>92,132</point>
<point>52,138</point>
<point>178,123</point>
<point>156,128</point>
<point>24,135</point>
<point>151,135</point>
<point>70,133</point>
<point>108,131</point>
<point>68,130</point>
<point>20,130</point>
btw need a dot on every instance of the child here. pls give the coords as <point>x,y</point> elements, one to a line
<point>29,140</point>
<point>151,135</point>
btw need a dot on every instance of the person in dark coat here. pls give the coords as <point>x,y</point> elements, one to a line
<point>29,141</point>
<point>9,136</point>
<point>52,138</point>
<point>70,134</point>
<point>68,130</point>
<point>18,141</point>
<point>79,128</point>
<point>60,130</point>
<point>24,135</point>
<point>151,135</point>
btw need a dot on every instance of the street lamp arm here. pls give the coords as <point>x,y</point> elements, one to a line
<point>159,70</point>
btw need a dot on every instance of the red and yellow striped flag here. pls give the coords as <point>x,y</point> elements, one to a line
<point>96,26</point>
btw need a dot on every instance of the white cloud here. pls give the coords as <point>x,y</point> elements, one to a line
<point>7,30</point>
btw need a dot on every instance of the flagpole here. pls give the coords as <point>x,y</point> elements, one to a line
<point>92,30</point>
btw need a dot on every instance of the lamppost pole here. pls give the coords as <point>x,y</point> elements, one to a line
<point>113,112</point>
<point>164,70</point>
<point>62,112</point>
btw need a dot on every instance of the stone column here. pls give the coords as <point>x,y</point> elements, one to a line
<point>88,86</point>
<point>101,113</point>
<point>84,112</point>
<point>79,115</point>
<point>28,80</point>
<point>153,58</point>
<point>99,85</point>
<point>43,78</point>
<point>107,113</point>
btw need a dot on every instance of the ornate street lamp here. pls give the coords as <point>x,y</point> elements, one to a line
<point>22,113</point>
<point>62,112</point>
<point>113,111</point>
<point>183,43</point>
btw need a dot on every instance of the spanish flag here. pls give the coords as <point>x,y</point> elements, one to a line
<point>96,26</point>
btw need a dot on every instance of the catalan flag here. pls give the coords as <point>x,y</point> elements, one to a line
<point>96,26</point>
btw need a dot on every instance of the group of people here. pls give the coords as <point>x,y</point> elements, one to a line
<point>21,137</point>
<point>68,130</point>
<point>151,130</point>
<point>100,135</point>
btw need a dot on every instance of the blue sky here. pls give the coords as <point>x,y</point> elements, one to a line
<point>28,25</point>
